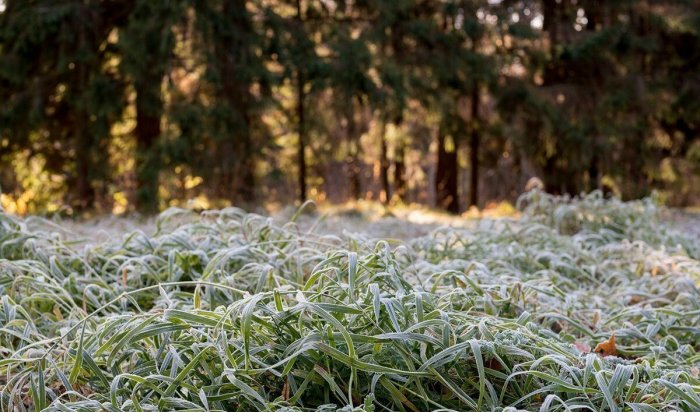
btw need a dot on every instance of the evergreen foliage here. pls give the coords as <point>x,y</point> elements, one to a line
<point>136,103</point>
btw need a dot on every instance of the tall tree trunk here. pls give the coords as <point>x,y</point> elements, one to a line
<point>84,191</point>
<point>594,171</point>
<point>301,155</point>
<point>246,189</point>
<point>383,162</point>
<point>594,14</point>
<point>474,144</point>
<point>353,157</point>
<point>446,176</point>
<point>552,182</point>
<point>550,25</point>
<point>233,53</point>
<point>147,158</point>
<point>550,20</point>
<point>400,172</point>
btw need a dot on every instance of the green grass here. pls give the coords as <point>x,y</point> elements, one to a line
<point>231,311</point>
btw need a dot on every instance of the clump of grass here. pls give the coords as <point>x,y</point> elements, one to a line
<point>231,311</point>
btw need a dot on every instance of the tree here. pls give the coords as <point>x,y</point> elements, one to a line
<point>386,32</point>
<point>146,45</point>
<point>352,88</point>
<point>60,103</point>
<point>291,42</point>
<point>233,69</point>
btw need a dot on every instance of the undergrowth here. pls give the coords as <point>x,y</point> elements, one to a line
<point>225,310</point>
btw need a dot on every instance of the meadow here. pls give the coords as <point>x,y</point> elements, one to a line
<point>577,304</point>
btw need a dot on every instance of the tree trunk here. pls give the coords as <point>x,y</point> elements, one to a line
<point>551,27</point>
<point>594,172</point>
<point>549,23</point>
<point>400,172</point>
<point>383,163</point>
<point>301,155</point>
<point>594,14</point>
<point>446,176</point>
<point>84,191</point>
<point>551,182</point>
<point>353,156</point>
<point>233,54</point>
<point>474,144</point>
<point>147,159</point>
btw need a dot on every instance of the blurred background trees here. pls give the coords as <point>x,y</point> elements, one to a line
<point>119,105</point>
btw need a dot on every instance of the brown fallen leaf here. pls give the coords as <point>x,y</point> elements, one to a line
<point>607,347</point>
<point>493,364</point>
<point>285,390</point>
<point>125,275</point>
<point>635,299</point>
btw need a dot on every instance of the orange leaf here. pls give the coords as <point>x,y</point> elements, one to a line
<point>607,348</point>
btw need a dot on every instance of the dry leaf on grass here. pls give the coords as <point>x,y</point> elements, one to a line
<point>607,347</point>
<point>582,347</point>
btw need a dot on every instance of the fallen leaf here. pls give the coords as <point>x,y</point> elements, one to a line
<point>493,364</point>
<point>582,347</point>
<point>635,299</point>
<point>607,348</point>
<point>125,275</point>
<point>557,327</point>
<point>285,390</point>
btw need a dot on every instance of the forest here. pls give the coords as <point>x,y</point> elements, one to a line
<point>134,105</point>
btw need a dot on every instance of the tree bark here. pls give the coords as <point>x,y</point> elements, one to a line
<point>474,144</point>
<point>301,154</point>
<point>233,53</point>
<point>594,171</point>
<point>549,23</point>
<point>446,176</point>
<point>383,163</point>
<point>353,156</point>
<point>551,27</point>
<point>552,183</point>
<point>147,158</point>
<point>400,172</point>
<point>84,191</point>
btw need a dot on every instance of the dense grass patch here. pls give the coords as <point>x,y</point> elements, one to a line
<point>231,311</point>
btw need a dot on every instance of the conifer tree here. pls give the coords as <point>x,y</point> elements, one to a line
<point>146,45</point>
<point>60,96</point>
